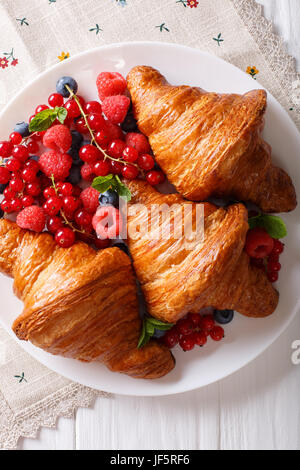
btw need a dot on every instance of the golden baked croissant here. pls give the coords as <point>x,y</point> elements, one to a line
<point>210,144</point>
<point>79,303</point>
<point>216,272</point>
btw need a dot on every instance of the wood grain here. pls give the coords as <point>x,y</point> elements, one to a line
<point>256,408</point>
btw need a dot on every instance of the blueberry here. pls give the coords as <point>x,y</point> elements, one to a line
<point>129,124</point>
<point>77,139</point>
<point>62,90</point>
<point>75,157</point>
<point>109,198</point>
<point>122,246</point>
<point>2,187</point>
<point>223,316</point>
<point>158,333</point>
<point>74,175</point>
<point>1,214</point>
<point>35,157</point>
<point>22,128</point>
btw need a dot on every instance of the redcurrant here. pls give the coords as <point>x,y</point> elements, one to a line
<point>89,153</point>
<point>96,122</point>
<point>130,172</point>
<point>146,162</point>
<point>15,138</point>
<point>187,343</point>
<point>65,237</point>
<point>55,100</point>
<point>101,168</point>
<point>217,333</point>
<point>130,154</point>
<point>92,107</point>
<point>4,175</point>
<point>171,338</point>
<point>115,148</point>
<point>6,148</point>
<point>155,177</point>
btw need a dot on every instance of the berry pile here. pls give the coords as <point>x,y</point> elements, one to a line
<point>264,252</point>
<point>46,162</point>
<point>194,329</point>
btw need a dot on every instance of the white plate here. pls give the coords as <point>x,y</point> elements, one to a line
<point>245,338</point>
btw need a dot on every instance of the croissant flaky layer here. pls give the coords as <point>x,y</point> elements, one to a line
<point>177,278</point>
<point>79,303</point>
<point>210,144</point>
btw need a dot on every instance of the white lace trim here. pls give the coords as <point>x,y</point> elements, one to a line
<point>45,413</point>
<point>274,51</point>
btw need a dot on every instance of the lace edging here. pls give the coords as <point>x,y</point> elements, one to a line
<point>45,413</point>
<point>273,49</point>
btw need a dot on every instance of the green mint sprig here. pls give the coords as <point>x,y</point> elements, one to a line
<point>103,183</point>
<point>43,120</point>
<point>273,224</point>
<point>149,326</point>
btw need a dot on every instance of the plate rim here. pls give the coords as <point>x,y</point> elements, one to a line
<point>119,45</point>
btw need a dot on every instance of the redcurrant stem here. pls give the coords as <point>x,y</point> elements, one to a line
<point>84,115</point>
<point>66,221</point>
<point>28,137</point>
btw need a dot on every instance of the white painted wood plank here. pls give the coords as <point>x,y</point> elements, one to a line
<point>260,404</point>
<point>60,438</point>
<point>185,421</point>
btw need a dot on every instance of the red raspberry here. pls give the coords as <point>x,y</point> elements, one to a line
<point>58,138</point>
<point>56,164</point>
<point>32,218</point>
<point>138,141</point>
<point>90,199</point>
<point>259,244</point>
<point>110,84</point>
<point>115,108</point>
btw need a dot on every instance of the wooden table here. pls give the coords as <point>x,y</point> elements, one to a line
<point>256,408</point>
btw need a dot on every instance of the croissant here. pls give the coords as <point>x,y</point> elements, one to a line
<point>79,303</point>
<point>216,272</point>
<point>210,144</point>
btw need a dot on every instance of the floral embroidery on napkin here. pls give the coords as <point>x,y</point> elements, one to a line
<point>9,56</point>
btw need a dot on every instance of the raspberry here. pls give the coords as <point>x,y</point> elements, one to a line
<point>110,84</point>
<point>56,164</point>
<point>32,218</point>
<point>89,198</point>
<point>58,138</point>
<point>115,108</point>
<point>138,141</point>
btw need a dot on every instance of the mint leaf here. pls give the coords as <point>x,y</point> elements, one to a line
<point>103,183</point>
<point>144,338</point>
<point>160,325</point>
<point>43,120</point>
<point>149,326</point>
<point>61,113</point>
<point>122,189</point>
<point>273,224</point>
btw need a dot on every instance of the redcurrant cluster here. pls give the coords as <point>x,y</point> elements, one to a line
<point>193,330</point>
